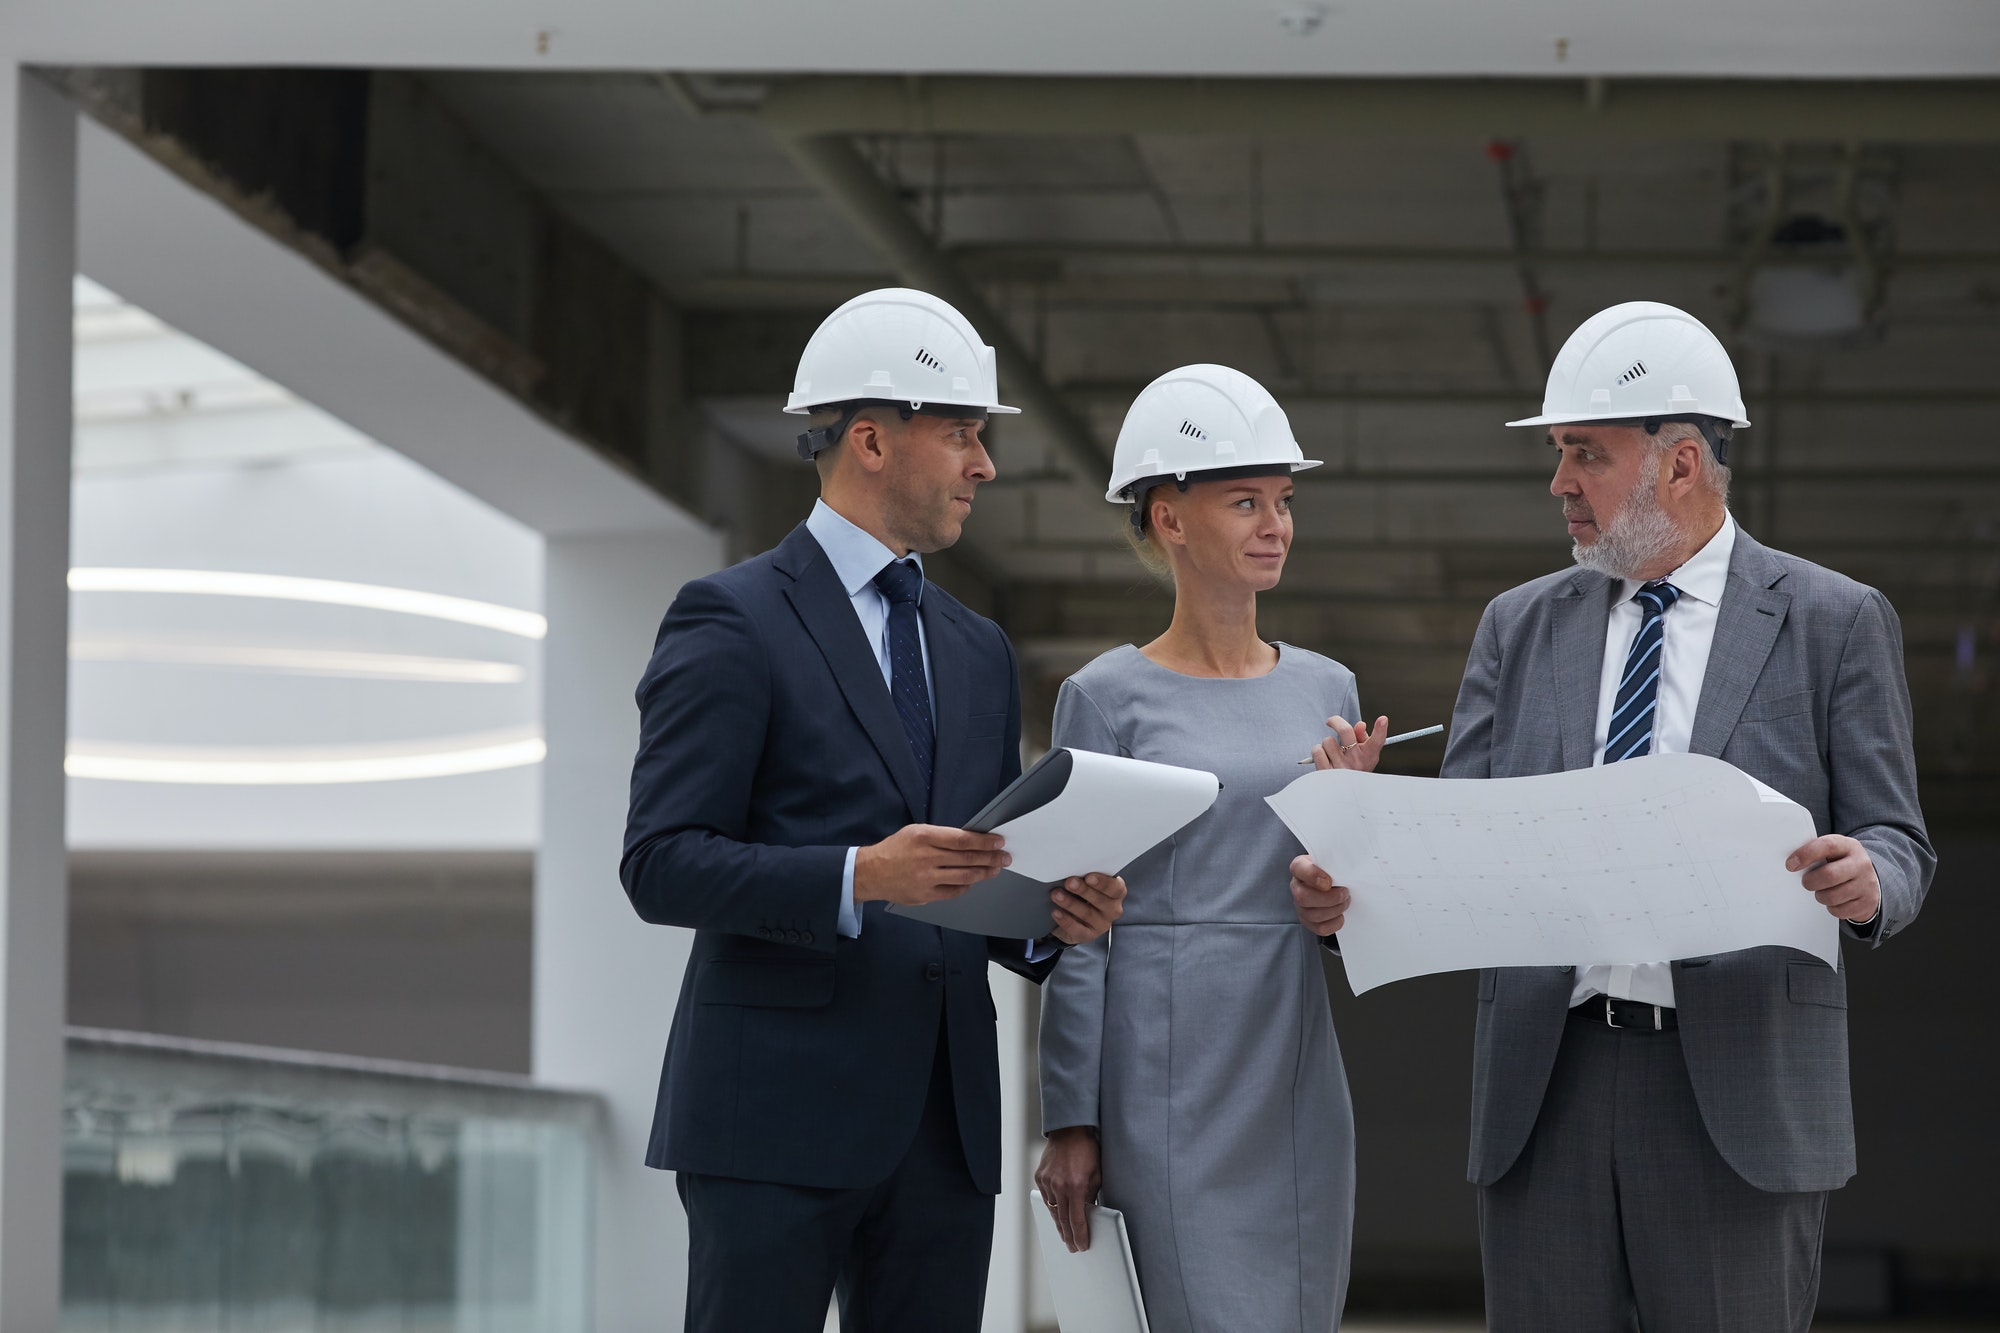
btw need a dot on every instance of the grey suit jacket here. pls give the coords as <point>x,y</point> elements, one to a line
<point>1804,691</point>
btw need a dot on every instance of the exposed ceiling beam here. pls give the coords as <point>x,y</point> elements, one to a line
<point>852,186</point>
<point>1016,258</point>
<point>1886,396</point>
<point>1712,110</point>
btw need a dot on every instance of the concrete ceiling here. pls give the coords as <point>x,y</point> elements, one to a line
<point>1371,38</point>
<point>1400,294</point>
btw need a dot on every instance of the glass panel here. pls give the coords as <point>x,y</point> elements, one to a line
<point>211,1187</point>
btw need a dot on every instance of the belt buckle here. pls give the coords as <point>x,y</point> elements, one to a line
<point>1611,1016</point>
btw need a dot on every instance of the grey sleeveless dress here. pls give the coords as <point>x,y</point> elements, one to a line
<point>1196,1036</point>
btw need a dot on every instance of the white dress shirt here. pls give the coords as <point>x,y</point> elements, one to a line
<point>1688,631</point>
<point>857,558</point>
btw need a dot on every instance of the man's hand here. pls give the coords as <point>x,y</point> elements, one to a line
<point>1085,907</point>
<point>1069,1180</point>
<point>1841,874</point>
<point>926,863</point>
<point>1321,904</point>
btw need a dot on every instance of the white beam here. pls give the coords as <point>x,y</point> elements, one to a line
<point>1719,38</point>
<point>37,252</point>
<point>181,255</point>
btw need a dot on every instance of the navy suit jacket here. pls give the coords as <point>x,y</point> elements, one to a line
<point>768,746</point>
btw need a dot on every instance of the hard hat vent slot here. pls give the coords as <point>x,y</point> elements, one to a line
<point>1632,372</point>
<point>929,362</point>
<point>1192,431</point>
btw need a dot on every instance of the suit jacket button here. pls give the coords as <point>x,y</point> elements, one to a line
<point>933,972</point>
<point>805,937</point>
<point>791,937</point>
<point>1567,967</point>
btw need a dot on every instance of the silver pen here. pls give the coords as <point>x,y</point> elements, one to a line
<point>1406,736</point>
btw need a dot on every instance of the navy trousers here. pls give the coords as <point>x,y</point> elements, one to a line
<point>908,1255</point>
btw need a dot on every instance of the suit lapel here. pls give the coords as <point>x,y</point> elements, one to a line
<point>1578,624</point>
<point>822,604</point>
<point>951,686</point>
<point>1746,628</point>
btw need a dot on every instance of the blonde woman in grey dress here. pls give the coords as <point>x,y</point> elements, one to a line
<point>1189,1069</point>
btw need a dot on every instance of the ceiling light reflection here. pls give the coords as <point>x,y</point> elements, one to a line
<point>300,661</point>
<point>300,766</point>
<point>285,587</point>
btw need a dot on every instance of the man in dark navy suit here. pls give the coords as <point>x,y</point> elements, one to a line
<point>816,723</point>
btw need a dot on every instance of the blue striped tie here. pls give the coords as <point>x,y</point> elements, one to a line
<point>1632,710</point>
<point>902,582</point>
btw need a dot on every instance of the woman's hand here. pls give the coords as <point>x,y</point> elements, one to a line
<point>1355,747</point>
<point>1069,1180</point>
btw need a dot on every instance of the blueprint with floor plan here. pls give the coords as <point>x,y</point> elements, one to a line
<point>1666,856</point>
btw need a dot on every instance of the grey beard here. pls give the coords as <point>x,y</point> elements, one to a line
<point>1640,537</point>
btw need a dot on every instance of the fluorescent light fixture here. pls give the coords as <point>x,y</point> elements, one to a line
<point>300,661</point>
<point>191,765</point>
<point>284,587</point>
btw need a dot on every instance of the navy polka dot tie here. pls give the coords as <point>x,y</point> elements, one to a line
<point>900,583</point>
<point>1635,705</point>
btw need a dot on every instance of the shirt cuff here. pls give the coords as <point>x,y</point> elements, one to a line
<point>849,923</point>
<point>1038,951</point>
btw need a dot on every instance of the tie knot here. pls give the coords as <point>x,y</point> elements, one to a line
<point>1657,597</point>
<point>900,581</point>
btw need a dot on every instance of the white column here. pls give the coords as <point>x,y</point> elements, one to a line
<point>1007,1277</point>
<point>37,259</point>
<point>605,982</point>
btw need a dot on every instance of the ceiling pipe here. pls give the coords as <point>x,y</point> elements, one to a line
<point>853,187</point>
<point>1651,109</point>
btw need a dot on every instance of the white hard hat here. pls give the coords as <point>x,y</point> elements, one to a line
<point>1643,361</point>
<point>894,345</point>
<point>1201,419</point>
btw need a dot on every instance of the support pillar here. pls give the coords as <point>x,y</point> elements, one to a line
<point>604,981</point>
<point>37,259</point>
<point>1008,1274</point>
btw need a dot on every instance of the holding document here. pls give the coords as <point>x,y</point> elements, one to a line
<point>1658,1138</point>
<point>1190,1068</point>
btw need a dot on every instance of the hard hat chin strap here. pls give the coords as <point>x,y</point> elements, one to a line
<point>1136,492</point>
<point>821,438</point>
<point>1715,430</point>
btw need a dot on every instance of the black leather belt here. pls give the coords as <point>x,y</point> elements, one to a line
<point>1627,1014</point>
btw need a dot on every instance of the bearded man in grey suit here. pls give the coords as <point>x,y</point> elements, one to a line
<point>1657,1141</point>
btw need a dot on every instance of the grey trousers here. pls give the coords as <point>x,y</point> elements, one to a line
<point>1620,1213</point>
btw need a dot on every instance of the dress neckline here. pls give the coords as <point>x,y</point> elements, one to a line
<point>1285,654</point>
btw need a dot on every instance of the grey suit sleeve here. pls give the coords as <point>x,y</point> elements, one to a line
<point>1871,764</point>
<point>1469,748</point>
<point>1072,1035</point>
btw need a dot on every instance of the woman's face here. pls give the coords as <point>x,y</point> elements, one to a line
<point>1233,532</point>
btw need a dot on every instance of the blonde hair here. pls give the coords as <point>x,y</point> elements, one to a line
<point>1141,540</point>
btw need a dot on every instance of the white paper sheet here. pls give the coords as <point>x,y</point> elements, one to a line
<point>1110,810</point>
<point>1095,1290</point>
<point>1668,856</point>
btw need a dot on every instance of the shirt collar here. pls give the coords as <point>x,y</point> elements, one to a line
<point>1706,574</point>
<point>856,556</point>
